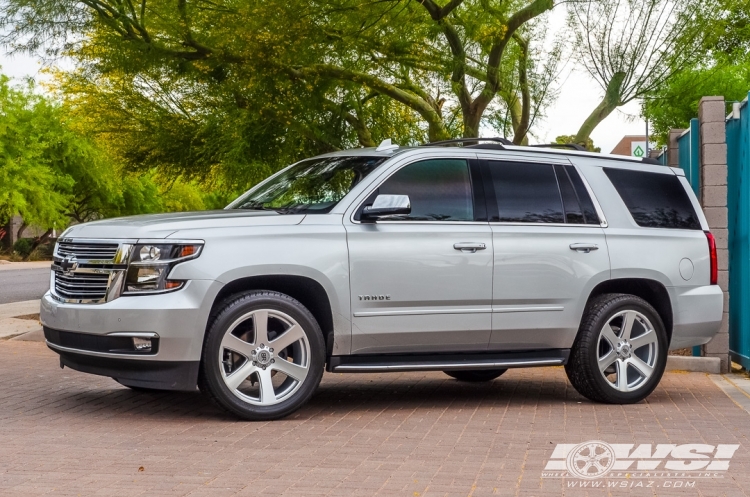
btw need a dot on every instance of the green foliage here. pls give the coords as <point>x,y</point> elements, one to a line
<point>723,69</point>
<point>51,173</point>
<point>224,93</point>
<point>588,144</point>
<point>23,247</point>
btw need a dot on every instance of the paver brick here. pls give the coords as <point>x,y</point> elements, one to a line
<point>411,434</point>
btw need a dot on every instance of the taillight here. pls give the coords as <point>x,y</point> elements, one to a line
<point>714,260</point>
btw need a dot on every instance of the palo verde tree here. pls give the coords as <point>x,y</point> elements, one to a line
<point>192,87</point>
<point>631,47</point>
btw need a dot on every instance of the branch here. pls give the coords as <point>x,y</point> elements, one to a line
<point>433,118</point>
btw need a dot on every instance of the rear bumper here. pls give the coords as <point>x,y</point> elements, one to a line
<point>160,375</point>
<point>697,313</point>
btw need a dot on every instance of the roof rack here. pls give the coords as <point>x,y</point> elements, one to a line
<point>573,146</point>
<point>458,141</point>
<point>651,160</point>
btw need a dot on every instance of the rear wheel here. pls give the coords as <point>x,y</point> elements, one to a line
<point>263,356</point>
<point>621,350</point>
<point>476,375</point>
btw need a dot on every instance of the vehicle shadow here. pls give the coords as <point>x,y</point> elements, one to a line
<point>338,395</point>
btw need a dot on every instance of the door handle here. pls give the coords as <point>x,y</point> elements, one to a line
<point>584,247</point>
<point>469,246</point>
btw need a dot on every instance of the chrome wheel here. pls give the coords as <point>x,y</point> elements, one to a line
<point>627,350</point>
<point>264,357</point>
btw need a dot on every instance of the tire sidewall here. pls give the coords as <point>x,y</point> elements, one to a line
<point>618,305</point>
<point>234,310</point>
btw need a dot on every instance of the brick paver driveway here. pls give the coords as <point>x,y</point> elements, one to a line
<point>66,433</point>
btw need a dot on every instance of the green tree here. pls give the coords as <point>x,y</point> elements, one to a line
<point>723,69</point>
<point>630,48</point>
<point>225,92</point>
<point>588,144</point>
<point>29,185</point>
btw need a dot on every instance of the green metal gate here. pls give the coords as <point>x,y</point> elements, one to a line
<point>738,200</point>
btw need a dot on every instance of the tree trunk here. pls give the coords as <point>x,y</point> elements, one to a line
<point>40,240</point>
<point>608,104</point>
<point>23,227</point>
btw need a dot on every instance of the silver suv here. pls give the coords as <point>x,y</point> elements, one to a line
<point>469,258</point>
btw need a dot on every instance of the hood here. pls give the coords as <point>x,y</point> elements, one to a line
<point>163,225</point>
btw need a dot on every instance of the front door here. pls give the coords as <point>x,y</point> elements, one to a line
<point>423,282</point>
<point>549,253</point>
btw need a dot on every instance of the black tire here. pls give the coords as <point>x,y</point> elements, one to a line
<point>476,375</point>
<point>583,367</point>
<point>210,378</point>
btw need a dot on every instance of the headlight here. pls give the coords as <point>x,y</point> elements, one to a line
<point>150,265</point>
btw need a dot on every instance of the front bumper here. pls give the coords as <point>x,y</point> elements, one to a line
<point>179,320</point>
<point>159,375</point>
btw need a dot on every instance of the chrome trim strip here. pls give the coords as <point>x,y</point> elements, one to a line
<point>60,348</point>
<point>421,312</point>
<point>529,308</point>
<point>442,366</point>
<point>133,335</point>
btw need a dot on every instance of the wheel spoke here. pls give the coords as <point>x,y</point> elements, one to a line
<point>287,338</point>
<point>609,335</point>
<point>267,392</point>
<point>235,379</point>
<point>627,325</point>
<point>622,375</point>
<point>290,369</point>
<point>260,325</point>
<point>641,340</point>
<point>607,360</point>
<point>238,345</point>
<point>644,369</point>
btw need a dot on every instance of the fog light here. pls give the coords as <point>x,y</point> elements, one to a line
<point>142,344</point>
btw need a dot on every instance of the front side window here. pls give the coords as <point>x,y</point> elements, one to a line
<point>655,200</point>
<point>438,189</point>
<point>312,186</point>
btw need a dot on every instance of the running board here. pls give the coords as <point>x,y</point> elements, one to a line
<point>446,362</point>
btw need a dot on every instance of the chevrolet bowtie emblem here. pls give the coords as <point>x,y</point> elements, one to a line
<point>69,264</point>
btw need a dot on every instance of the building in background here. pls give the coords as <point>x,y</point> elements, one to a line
<point>632,145</point>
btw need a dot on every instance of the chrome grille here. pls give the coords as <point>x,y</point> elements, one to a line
<point>88,251</point>
<point>82,286</point>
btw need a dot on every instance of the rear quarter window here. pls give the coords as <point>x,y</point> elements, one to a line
<point>654,200</point>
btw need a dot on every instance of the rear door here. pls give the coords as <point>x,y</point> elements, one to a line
<point>549,252</point>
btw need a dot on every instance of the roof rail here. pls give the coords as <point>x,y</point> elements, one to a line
<point>573,146</point>
<point>651,160</point>
<point>458,141</point>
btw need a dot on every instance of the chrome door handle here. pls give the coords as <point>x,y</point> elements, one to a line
<point>469,246</point>
<point>584,247</point>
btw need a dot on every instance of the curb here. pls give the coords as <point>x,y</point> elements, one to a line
<point>694,364</point>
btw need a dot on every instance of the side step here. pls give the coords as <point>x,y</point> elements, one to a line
<point>385,363</point>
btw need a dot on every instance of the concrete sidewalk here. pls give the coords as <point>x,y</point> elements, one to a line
<point>16,321</point>
<point>7,265</point>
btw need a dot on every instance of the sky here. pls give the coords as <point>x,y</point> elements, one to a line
<point>579,95</point>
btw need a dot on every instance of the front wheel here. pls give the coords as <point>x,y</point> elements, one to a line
<point>476,375</point>
<point>621,350</point>
<point>263,357</point>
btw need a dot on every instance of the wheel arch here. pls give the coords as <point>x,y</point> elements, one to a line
<point>652,291</point>
<point>309,292</point>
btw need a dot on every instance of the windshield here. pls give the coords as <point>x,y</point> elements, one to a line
<point>313,186</point>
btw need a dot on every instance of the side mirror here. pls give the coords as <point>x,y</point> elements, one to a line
<point>387,205</point>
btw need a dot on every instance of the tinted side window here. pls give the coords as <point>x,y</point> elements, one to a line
<point>439,190</point>
<point>654,200</point>
<point>526,193</point>
<point>587,205</point>
<point>573,212</point>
